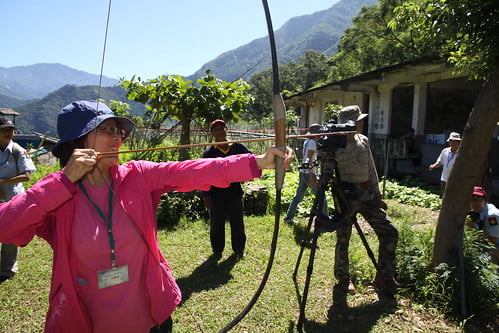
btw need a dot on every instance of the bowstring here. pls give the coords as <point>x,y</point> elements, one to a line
<point>110,179</point>
<point>103,57</point>
<point>101,74</point>
<point>104,52</point>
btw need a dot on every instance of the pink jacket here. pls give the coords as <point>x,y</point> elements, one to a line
<point>47,210</point>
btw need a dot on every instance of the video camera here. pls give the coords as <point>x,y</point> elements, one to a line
<point>307,164</point>
<point>333,142</point>
<point>327,144</point>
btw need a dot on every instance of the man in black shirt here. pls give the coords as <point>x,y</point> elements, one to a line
<point>225,203</point>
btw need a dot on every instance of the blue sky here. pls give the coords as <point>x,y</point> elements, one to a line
<point>146,37</point>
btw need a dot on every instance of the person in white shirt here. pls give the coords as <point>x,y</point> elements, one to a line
<point>15,168</point>
<point>308,177</point>
<point>447,158</point>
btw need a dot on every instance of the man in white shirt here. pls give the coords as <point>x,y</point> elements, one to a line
<point>15,168</point>
<point>447,158</point>
<point>308,177</point>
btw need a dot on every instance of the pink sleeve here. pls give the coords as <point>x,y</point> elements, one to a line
<point>20,216</point>
<point>199,174</point>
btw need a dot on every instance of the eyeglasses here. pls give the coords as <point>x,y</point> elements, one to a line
<point>112,130</point>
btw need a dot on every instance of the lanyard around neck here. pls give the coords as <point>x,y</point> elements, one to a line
<point>451,156</point>
<point>109,220</point>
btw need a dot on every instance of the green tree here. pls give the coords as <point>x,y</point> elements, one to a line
<point>291,78</point>
<point>170,96</point>
<point>291,81</point>
<point>467,30</point>
<point>371,43</point>
<point>123,109</point>
<point>315,65</point>
<point>310,70</point>
<point>261,90</point>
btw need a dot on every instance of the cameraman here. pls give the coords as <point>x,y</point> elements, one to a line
<point>307,175</point>
<point>359,181</point>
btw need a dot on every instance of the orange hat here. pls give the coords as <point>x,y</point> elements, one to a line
<point>216,121</point>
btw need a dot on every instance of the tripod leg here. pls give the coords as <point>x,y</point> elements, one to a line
<point>364,241</point>
<point>310,269</point>
<point>316,208</point>
<point>305,239</point>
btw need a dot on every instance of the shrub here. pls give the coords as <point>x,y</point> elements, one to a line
<point>41,171</point>
<point>414,253</point>
<point>441,287</point>
<point>482,278</point>
<point>416,196</point>
<point>287,193</point>
<point>412,193</point>
<point>176,205</point>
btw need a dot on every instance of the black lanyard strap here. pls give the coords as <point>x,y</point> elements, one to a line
<point>108,221</point>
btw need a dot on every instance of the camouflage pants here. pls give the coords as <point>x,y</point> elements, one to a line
<point>366,203</point>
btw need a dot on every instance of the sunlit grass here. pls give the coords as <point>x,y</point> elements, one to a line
<point>214,293</point>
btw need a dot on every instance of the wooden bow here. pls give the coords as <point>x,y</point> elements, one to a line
<point>280,142</point>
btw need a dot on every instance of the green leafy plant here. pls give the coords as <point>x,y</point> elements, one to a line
<point>482,278</point>
<point>41,171</point>
<point>287,193</point>
<point>440,287</point>
<point>331,111</point>
<point>414,254</point>
<point>177,205</point>
<point>415,196</point>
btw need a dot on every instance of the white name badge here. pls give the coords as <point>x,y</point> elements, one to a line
<point>113,276</point>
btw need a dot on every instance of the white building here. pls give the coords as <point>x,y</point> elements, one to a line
<point>425,94</point>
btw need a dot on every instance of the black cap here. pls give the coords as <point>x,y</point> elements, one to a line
<point>4,123</point>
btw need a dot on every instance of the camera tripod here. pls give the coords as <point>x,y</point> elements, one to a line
<point>342,216</point>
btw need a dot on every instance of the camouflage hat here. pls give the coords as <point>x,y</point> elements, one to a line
<point>350,113</point>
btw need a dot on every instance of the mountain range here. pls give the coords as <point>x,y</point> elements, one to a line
<point>41,115</point>
<point>35,81</point>
<point>39,91</point>
<point>320,31</point>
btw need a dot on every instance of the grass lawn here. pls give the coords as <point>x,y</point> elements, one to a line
<point>214,293</point>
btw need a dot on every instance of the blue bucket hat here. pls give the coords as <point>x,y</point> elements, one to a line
<point>81,117</point>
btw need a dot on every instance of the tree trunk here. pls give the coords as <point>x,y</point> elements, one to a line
<point>470,158</point>
<point>185,139</point>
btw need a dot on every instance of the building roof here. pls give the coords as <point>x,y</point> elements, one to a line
<point>8,112</point>
<point>399,73</point>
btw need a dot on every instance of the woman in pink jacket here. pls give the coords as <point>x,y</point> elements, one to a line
<point>109,274</point>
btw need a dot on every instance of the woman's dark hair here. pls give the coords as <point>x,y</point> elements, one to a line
<point>67,149</point>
